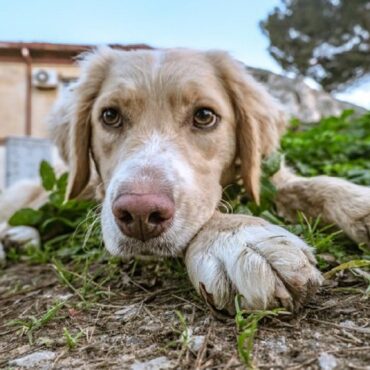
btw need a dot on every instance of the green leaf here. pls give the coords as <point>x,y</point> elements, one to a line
<point>26,217</point>
<point>56,199</point>
<point>272,164</point>
<point>62,183</point>
<point>47,175</point>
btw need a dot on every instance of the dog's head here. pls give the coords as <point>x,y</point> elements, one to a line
<point>163,129</point>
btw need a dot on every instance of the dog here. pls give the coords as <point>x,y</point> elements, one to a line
<point>157,135</point>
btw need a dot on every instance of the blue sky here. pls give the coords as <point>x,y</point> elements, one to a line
<point>230,25</point>
<point>224,24</point>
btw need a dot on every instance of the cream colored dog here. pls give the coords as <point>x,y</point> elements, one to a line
<point>159,133</point>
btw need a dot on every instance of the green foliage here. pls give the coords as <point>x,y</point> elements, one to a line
<point>26,216</point>
<point>47,175</point>
<point>337,146</point>
<point>323,39</point>
<point>67,227</point>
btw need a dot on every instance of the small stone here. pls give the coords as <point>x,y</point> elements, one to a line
<point>327,361</point>
<point>196,342</point>
<point>159,363</point>
<point>127,313</point>
<point>2,255</point>
<point>348,324</point>
<point>37,358</point>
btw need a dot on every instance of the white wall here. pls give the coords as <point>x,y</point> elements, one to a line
<point>55,159</point>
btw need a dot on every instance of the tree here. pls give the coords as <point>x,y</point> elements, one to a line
<point>328,40</point>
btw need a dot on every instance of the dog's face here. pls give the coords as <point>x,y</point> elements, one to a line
<point>164,129</point>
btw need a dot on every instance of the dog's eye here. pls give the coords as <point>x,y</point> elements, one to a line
<point>111,117</point>
<point>204,118</point>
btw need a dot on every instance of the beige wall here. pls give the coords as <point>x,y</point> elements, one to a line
<point>42,100</point>
<point>12,99</point>
<point>13,88</point>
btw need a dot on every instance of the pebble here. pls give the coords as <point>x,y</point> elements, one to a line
<point>40,358</point>
<point>2,255</point>
<point>127,313</point>
<point>196,342</point>
<point>327,361</point>
<point>159,363</point>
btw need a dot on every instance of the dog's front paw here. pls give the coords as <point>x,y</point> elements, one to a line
<point>266,264</point>
<point>20,236</point>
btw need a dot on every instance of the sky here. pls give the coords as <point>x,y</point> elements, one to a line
<point>232,25</point>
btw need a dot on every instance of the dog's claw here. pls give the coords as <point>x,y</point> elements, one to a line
<point>221,315</point>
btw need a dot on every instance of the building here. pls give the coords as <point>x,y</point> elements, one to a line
<point>31,76</point>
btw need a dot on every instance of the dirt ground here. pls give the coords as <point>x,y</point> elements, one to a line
<point>133,325</point>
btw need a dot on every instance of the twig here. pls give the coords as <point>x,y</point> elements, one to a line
<point>202,351</point>
<point>343,327</point>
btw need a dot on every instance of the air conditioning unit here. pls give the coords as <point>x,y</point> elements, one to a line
<point>45,78</point>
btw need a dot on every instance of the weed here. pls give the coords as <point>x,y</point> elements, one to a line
<point>247,325</point>
<point>71,340</point>
<point>32,324</point>
<point>185,335</point>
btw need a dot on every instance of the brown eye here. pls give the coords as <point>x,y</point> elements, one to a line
<point>204,118</point>
<point>111,117</point>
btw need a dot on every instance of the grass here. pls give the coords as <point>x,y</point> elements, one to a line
<point>247,326</point>
<point>32,324</point>
<point>72,243</point>
<point>71,340</point>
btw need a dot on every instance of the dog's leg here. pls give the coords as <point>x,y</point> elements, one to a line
<point>266,264</point>
<point>25,193</point>
<point>335,201</point>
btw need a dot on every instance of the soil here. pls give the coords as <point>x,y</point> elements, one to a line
<point>134,320</point>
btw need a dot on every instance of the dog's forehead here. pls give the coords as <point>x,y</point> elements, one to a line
<point>162,67</point>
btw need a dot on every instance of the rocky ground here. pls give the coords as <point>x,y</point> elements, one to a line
<point>145,315</point>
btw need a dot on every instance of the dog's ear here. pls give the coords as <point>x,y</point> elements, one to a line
<point>259,118</point>
<point>94,66</point>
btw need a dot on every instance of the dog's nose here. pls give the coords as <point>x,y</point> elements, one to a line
<point>143,216</point>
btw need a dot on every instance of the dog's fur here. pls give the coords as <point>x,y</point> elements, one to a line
<point>158,148</point>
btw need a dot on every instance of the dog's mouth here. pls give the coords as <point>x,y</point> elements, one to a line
<point>153,246</point>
